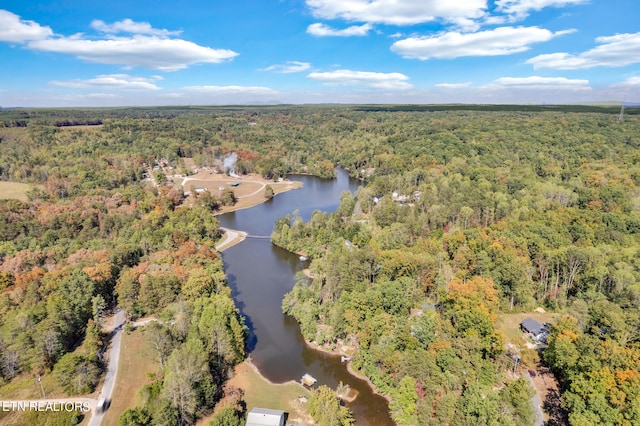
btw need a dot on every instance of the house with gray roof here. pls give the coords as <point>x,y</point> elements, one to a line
<point>538,331</point>
<point>265,417</point>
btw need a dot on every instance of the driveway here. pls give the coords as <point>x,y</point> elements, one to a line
<point>537,403</point>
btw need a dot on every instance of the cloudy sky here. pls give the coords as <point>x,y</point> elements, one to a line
<point>208,52</point>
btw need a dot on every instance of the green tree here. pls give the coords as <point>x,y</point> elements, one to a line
<point>403,404</point>
<point>77,374</point>
<point>326,410</point>
<point>517,394</point>
<point>221,328</point>
<point>135,417</point>
<point>186,370</point>
<point>268,192</point>
<point>228,197</point>
<point>226,416</point>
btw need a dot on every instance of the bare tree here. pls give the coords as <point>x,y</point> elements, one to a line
<point>10,363</point>
<point>186,368</point>
<point>161,342</point>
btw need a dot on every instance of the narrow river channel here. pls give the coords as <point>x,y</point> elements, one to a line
<point>260,274</point>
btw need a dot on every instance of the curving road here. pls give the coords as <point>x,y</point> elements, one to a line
<point>119,318</point>
<point>230,237</point>
<point>112,366</point>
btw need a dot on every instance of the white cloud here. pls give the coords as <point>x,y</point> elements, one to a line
<point>397,12</point>
<point>15,30</point>
<point>113,82</point>
<point>130,26</point>
<point>322,30</point>
<point>629,82</point>
<point>519,9</point>
<point>454,85</point>
<point>540,83</point>
<point>288,67</point>
<point>499,41</point>
<point>139,51</point>
<point>376,80</point>
<point>233,90</point>
<point>146,47</point>
<point>613,51</point>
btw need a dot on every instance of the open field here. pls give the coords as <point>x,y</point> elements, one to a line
<point>249,191</point>
<point>14,190</point>
<point>259,392</point>
<point>137,362</point>
<point>509,324</point>
<point>25,386</point>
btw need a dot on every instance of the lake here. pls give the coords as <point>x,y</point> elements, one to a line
<point>260,274</point>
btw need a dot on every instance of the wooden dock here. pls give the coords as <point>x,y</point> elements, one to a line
<point>308,380</point>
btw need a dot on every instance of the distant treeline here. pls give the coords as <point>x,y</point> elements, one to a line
<point>609,109</point>
<point>22,117</point>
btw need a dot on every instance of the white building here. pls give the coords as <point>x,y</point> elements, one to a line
<point>265,417</point>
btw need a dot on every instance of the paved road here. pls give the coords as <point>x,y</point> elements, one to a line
<point>107,387</point>
<point>112,367</point>
<point>230,237</point>
<point>537,403</point>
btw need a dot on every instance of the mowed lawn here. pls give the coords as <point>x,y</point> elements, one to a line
<point>14,190</point>
<point>137,363</point>
<point>509,324</point>
<point>259,392</point>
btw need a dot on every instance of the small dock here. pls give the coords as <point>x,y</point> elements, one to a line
<point>308,380</point>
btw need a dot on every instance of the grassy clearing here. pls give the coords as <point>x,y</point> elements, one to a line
<point>25,386</point>
<point>14,190</point>
<point>137,362</point>
<point>259,392</point>
<point>509,324</point>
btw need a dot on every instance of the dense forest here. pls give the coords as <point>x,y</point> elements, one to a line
<point>464,215</point>
<point>468,216</point>
<point>94,235</point>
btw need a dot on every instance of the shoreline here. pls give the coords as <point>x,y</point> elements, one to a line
<point>230,239</point>
<point>289,187</point>
<point>234,236</point>
<point>350,369</point>
<point>255,198</point>
<point>239,237</point>
<point>257,371</point>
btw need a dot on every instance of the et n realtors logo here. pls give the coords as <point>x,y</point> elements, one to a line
<point>52,406</point>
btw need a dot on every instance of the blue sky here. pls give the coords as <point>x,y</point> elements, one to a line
<point>192,52</point>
